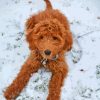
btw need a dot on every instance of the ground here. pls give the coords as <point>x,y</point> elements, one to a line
<point>83,81</point>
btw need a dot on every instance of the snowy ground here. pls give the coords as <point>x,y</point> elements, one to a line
<point>83,81</point>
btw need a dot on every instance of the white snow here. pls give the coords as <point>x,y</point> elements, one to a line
<point>83,81</point>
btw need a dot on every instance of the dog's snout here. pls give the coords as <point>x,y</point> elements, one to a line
<point>47,52</point>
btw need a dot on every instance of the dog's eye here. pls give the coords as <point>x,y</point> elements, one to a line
<point>41,37</point>
<point>55,38</point>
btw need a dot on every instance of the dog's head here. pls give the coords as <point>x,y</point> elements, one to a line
<point>50,38</point>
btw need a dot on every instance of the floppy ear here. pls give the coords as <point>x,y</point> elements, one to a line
<point>68,41</point>
<point>30,23</point>
<point>29,38</point>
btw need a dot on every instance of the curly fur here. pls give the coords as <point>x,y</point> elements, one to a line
<point>48,29</point>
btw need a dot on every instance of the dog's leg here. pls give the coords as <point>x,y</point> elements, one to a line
<point>59,71</point>
<point>23,77</point>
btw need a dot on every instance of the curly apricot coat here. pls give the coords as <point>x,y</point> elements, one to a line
<point>49,37</point>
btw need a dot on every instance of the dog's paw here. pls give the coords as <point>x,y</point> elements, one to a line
<point>8,96</point>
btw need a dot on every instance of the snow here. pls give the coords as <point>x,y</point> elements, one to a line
<point>83,81</point>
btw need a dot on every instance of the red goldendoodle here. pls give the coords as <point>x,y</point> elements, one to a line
<point>49,37</point>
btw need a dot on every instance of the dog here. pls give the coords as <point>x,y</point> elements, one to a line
<point>49,37</point>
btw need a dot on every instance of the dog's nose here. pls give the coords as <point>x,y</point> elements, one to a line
<point>47,52</point>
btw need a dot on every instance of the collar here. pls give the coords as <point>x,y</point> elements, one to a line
<point>44,60</point>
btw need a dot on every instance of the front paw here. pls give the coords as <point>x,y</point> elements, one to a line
<point>9,95</point>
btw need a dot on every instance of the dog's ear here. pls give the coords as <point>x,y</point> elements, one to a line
<point>68,41</point>
<point>30,23</point>
<point>29,38</point>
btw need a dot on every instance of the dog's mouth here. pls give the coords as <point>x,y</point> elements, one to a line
<point>48,55</point>
<point>55,57</point>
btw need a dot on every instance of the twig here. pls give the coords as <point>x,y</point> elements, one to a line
<point>80,36</point>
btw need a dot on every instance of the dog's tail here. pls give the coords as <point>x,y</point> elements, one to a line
<point>48,4</point>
